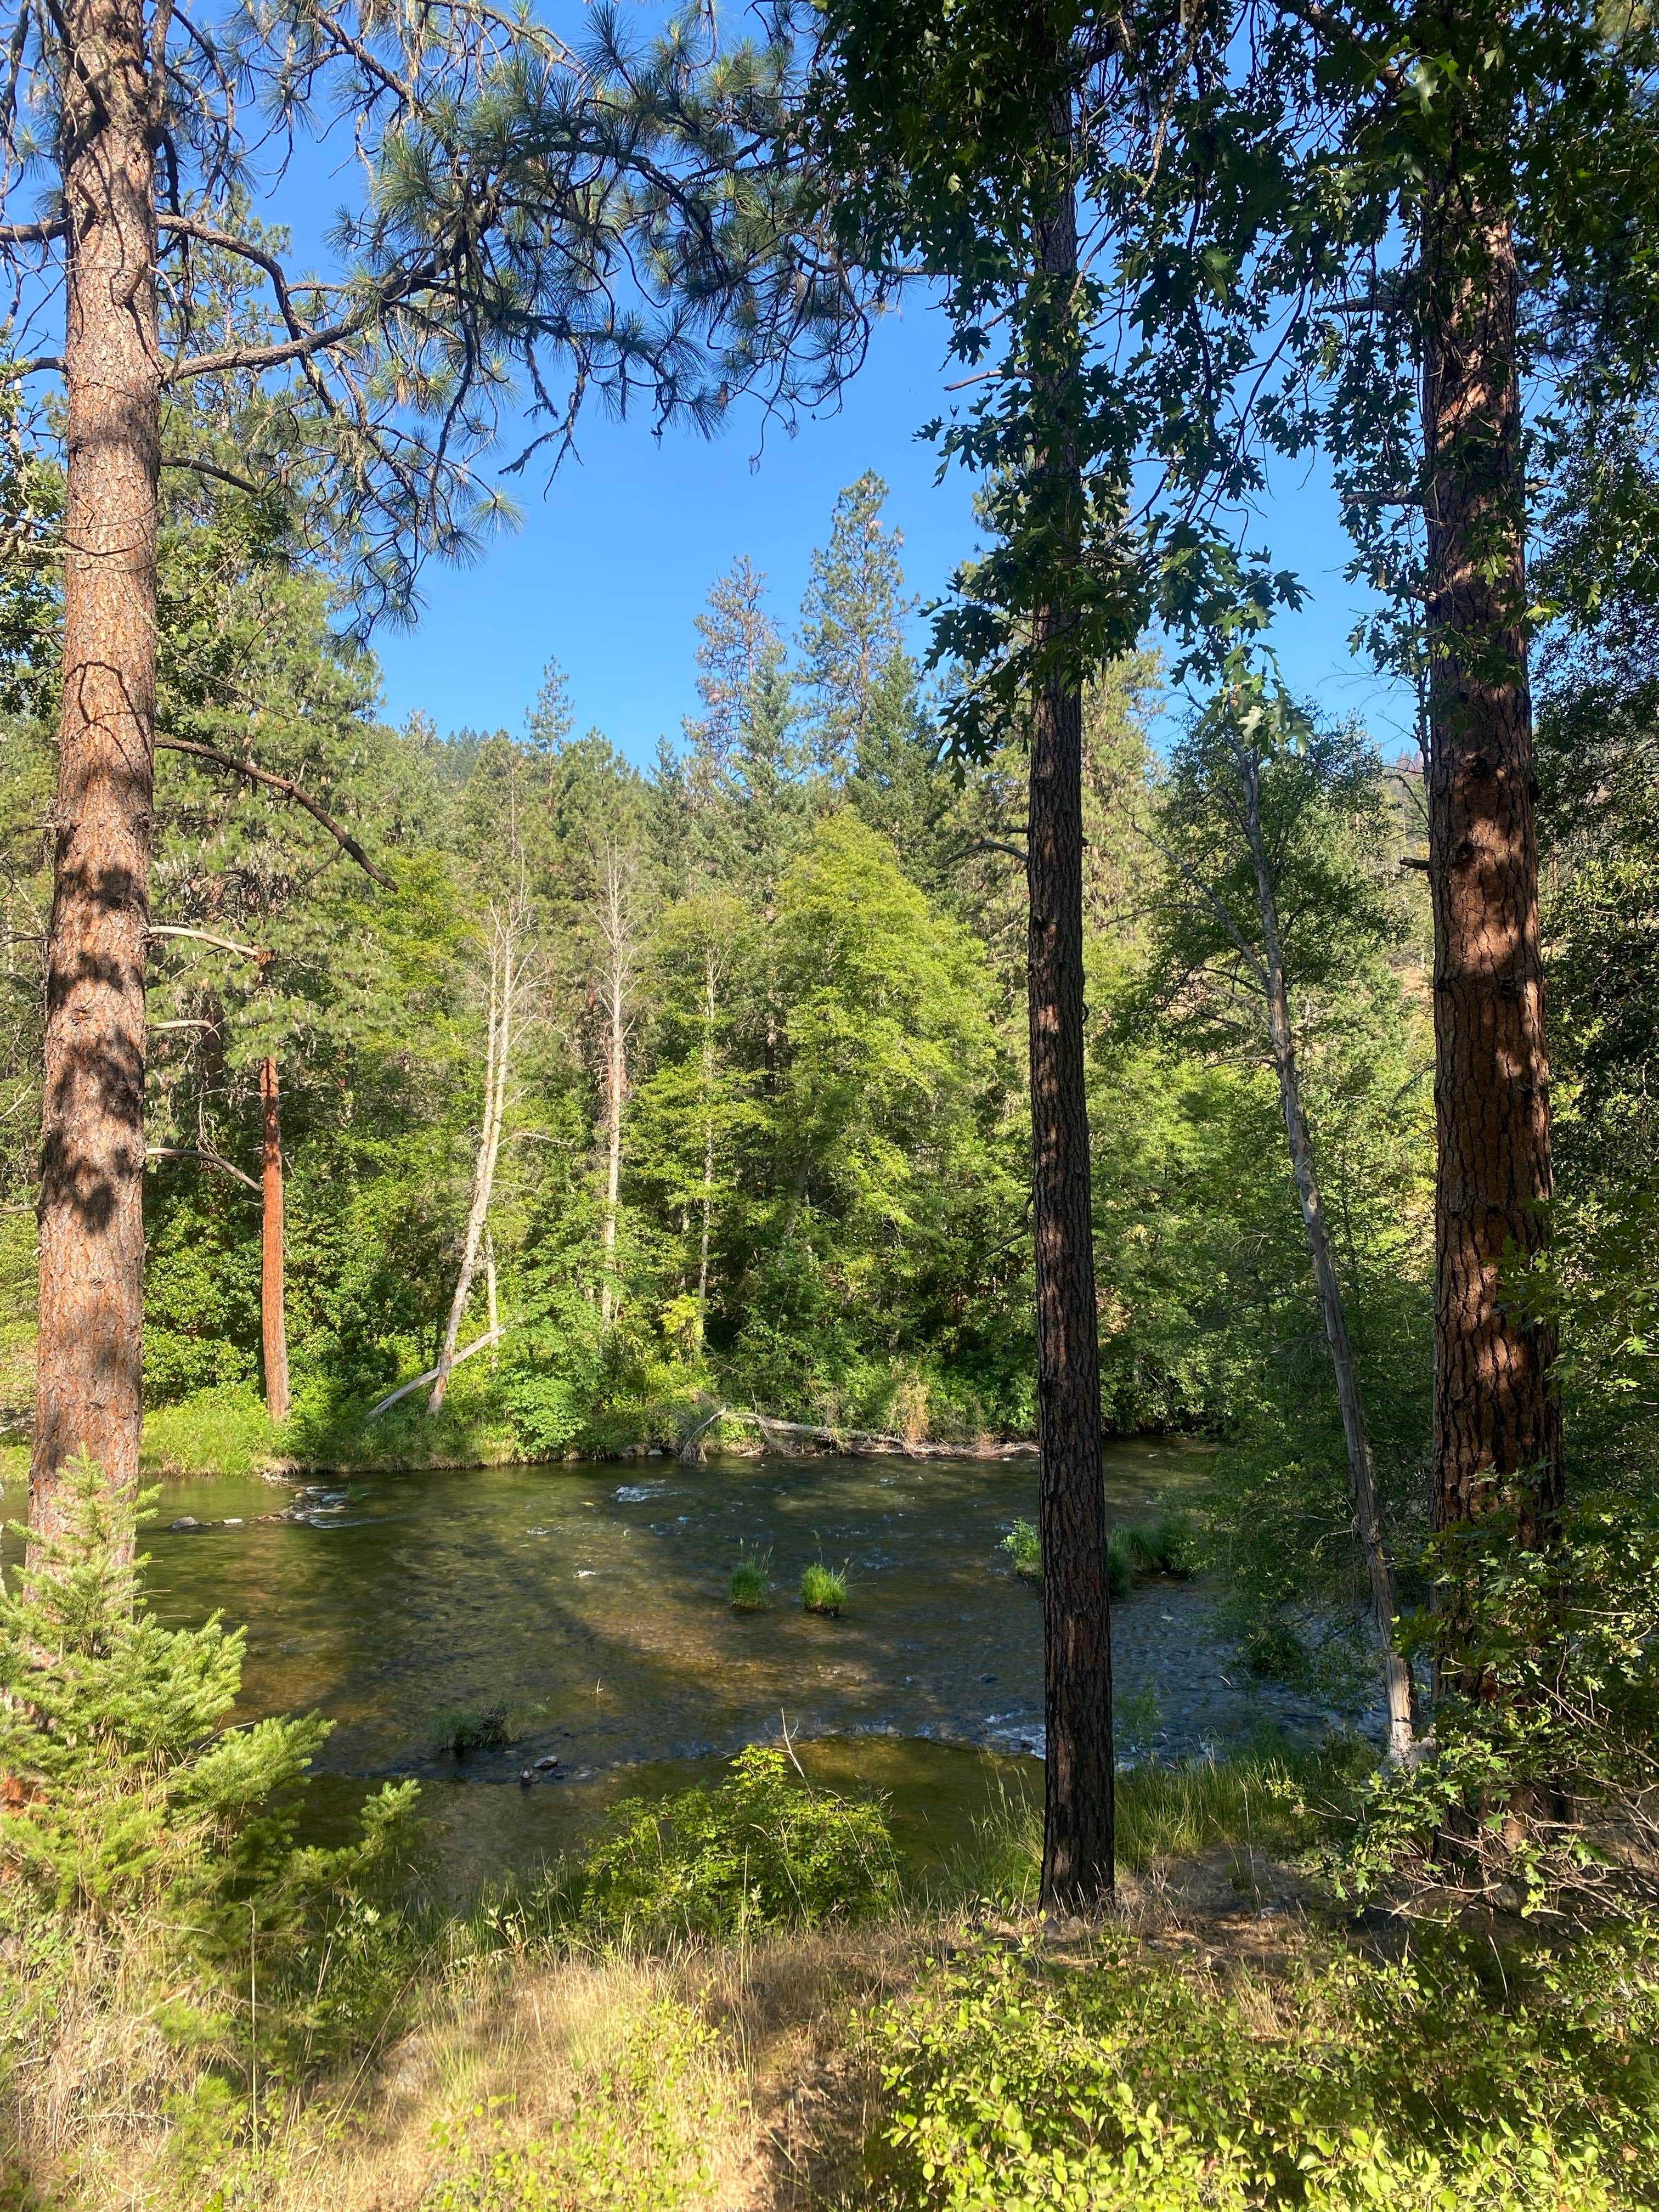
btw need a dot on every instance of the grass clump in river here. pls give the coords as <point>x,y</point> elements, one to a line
<point>751,1584</point>
<point>823,1589</point>
<point>458,1729</point>
<point>1136,1551</point>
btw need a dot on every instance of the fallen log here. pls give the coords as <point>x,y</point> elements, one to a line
<point>479,1344</point>
<point>852,1443</point>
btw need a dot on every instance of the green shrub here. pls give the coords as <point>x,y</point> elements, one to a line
<point>1551,1667</point>
<point>751,1585</point>
<point>1452,2078</point>
<point>1025,1548</point>
<point>765,1849</point>
<point>823,1589</point>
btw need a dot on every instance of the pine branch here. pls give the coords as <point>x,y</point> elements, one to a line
<point>289,789</point>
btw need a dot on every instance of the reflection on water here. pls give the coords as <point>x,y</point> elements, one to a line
<point>592,1601</point>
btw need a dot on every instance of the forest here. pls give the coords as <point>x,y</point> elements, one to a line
<point>1142,1194</point>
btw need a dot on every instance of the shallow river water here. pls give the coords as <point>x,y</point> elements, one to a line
<point>591,1600</point>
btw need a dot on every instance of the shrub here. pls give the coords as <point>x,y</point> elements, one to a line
<point>765,1849</point>
<point>128,1792</point>
<point>1552,1708</point>
<point>823,1589</point>
<point>751,1586</point>
<point>1452,2077</point>
<point>1025,1548</point>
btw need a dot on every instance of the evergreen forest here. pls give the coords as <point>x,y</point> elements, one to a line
<point>1036,1249</point>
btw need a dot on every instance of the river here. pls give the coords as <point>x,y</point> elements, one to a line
<point>591,1601</point>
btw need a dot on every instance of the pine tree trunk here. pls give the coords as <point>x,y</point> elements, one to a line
<point>273,1323</point>
<point>1497,1421</point>
<point>92,1232</point>
<point>1396,1676</point>
<point>1078,1804</point>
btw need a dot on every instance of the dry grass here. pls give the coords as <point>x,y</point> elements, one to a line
<point>506,2053</point>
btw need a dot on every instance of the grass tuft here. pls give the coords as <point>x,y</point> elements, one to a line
<point>823,1589</point>
<point>458,1729</point>
<point>751,1584</point>
<point>1274,1799</point>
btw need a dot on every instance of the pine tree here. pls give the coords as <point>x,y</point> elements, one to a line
<point>852,623</point>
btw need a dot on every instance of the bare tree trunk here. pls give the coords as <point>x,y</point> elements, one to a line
<point>91,1164</point>
<point>492,1305</point>
<point>708,1147</point>
<point>1362,1475</point>
<point>616,928</point>
<point>1078,1799</point>
<point>272,1322</point>
<point>504,980</point>
<point>1497,1420</point>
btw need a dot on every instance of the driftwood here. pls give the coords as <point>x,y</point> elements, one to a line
<point>851,1443</point>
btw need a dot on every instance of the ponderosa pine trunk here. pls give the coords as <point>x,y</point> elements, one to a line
<point>92,1155</point>
<point>1497,1420</point>
<point>273,1324</point>
<point>1077,1789</point>
<point>1361,1473</point>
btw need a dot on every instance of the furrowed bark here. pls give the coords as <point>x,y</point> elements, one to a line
<point>1396,1676</point>
<point>272,1321</point>
<point>91,1164</point>
<point>1497,1421</point>
<point>1078,1789</point>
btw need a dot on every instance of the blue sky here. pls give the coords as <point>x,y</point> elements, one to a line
<point>614,559</point>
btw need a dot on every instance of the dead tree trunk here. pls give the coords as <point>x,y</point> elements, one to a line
<point>1361,1473</point>
<point>708,1145</point>
<point>272,1321</point>
<point>1497,1421</point>
<point>615,930</point>
<point>505,982</point>
<point>1079,1802</point>
<point>91,1164</point>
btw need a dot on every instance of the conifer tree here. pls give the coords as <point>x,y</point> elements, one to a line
<point>852,623</point>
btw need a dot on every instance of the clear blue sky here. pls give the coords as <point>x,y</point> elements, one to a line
<point>614,561</point>
<point>615,558</point>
